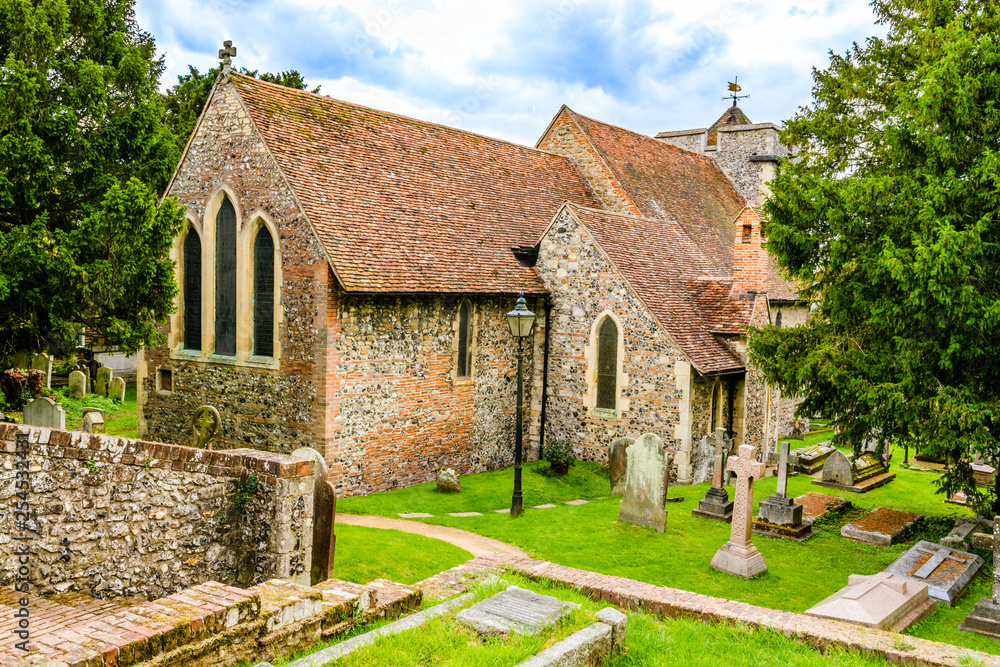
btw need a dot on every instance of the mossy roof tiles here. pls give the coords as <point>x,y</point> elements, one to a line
<point>403,205</point>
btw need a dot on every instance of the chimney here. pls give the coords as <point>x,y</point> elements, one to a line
<point>749,257</point>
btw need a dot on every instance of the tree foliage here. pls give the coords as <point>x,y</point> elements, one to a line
<point>889,215</point>
<point>83,153</point>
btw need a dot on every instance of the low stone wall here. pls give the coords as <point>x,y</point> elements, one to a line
<point>117,517</point>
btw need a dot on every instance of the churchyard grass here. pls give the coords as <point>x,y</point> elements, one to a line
<point>590,537</point>
<point>364,554</point>
<point>649,641</point>
<point>120,417</point>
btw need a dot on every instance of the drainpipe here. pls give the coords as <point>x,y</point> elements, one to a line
<point>545,376</point>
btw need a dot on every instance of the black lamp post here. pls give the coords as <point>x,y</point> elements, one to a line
<point>520,321</point>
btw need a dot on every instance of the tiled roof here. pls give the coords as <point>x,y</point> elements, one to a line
<point>671,183</point>
<point>732,116</point>
<point>403,205</point>
<point>663,265</point>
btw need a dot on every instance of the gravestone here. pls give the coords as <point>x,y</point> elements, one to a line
<point>799,430</point>
<point>985,616</point>
<point>77,384</point>
<point>984,474</point>
<point>646,478</point>
<point>205,423</point>
<point>43,362</point>
<point>884,526</point>
<point>960,536</point>
<point>779,515</point>
<point>810,460</point>
<point>514,610</point>
<point>447,480</point>
<point>85,369</point>
<point>324,542</point>
<point>44,412</point>
<point>22,359</point>
<point>103,381</point>
<point>946,571</point>
<point>618,464</point>
<point>116,389</point>
<point>92,422</point>
<point>739,556</point>
<point>868,471</point>
<point>883,601</point>
<point>716,503</point>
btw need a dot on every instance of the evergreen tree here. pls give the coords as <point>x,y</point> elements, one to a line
<point>84,153</point>
<point>889,216</point>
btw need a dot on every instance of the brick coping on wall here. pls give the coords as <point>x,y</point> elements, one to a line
<point>103,448</point>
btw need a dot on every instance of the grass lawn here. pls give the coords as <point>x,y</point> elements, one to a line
<point>120,418</point>
<point>590,537</point>
<point>649,640</point>
<point>364,554</point>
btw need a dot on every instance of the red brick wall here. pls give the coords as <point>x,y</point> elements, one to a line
<point>749,258</point>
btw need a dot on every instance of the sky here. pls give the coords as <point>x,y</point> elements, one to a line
<point>504,67</point>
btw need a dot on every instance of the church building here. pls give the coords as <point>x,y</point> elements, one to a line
<point>344,274</point>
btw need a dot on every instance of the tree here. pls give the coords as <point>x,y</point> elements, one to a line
<point>186,100</point>
<point>889,216</point>
<point>83,153</point>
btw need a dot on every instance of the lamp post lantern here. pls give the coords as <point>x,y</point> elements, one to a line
<point>520,321</point>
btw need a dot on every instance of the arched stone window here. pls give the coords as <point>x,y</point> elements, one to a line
<point>464,360</point>
<point>263,294</point>
<point>192,290</point>
<point>607,364</point>
<point>225,280</point>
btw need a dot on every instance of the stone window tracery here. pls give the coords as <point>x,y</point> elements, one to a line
<point>191,285</point>
<point>607,365</point>
<point>263,294</point>
<point>464,359</point>
<point>225,280</point>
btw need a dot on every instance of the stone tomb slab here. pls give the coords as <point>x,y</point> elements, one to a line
<point>815,505</point>
<point>884,526</point>
<point>946,571</point>
<point>882,601</point>
<point>514,610</point>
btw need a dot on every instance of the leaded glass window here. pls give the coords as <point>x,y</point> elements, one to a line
<point>263,294</point>
<point>192,290</point>
<point>607,364</point>
<point>464,342</point>
<point>225,280</point>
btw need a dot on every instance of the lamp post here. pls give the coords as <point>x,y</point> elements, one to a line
<point>520,321</point>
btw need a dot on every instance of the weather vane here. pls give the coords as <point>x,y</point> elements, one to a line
<point>734,88</point>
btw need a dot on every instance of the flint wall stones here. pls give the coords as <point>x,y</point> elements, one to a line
<point>120,517</point>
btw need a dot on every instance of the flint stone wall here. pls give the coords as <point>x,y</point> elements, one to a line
<point>401,411</point>
<point>118,517</point>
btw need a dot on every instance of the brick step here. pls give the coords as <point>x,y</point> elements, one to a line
<point>393,598</point>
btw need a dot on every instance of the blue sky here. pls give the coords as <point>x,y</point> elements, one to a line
<point>503,67</point>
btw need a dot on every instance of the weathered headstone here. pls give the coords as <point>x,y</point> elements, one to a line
<point>205,423</point>
<point>22,359</point>
<point>739,556</point>
<point>45,412</point>
<point>646,478</point>
<point>77,384</point>
<point>618,464</point>
<point>324,539</point>
<point>810,460</point>
<point>960,536</point>
<point>447,480</point>
<point>514,610</point>
<point>43,362</point>
<point>716,503</point>
<point>946,571</point>
<point>882,601</point>
<point>103,381</point>
<point>779,515</point>
<point>92,422</point>
<point>799,430</point>
<point>883,526</point>
<point>116,389</point>
<point>868,471</point>
<point>985,616</point>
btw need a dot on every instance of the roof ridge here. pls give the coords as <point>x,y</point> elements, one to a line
<point>659,221</point>
<point>327,99</point>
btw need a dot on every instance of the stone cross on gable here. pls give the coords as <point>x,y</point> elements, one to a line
<point>226,54</point>
<point>747,469</point>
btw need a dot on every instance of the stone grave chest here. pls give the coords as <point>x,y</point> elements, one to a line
<point>810,460</point>
<point>515,609</point>
<point>884,526</point>
<point>882,601</point>
<point>859,475</point>
<point>946,571</point>
<point>983,474</point>
<point>960,536</point>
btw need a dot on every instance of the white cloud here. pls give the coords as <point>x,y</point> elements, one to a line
<point>504,67</point>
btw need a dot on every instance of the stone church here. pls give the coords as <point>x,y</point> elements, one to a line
<point>344,274</point>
